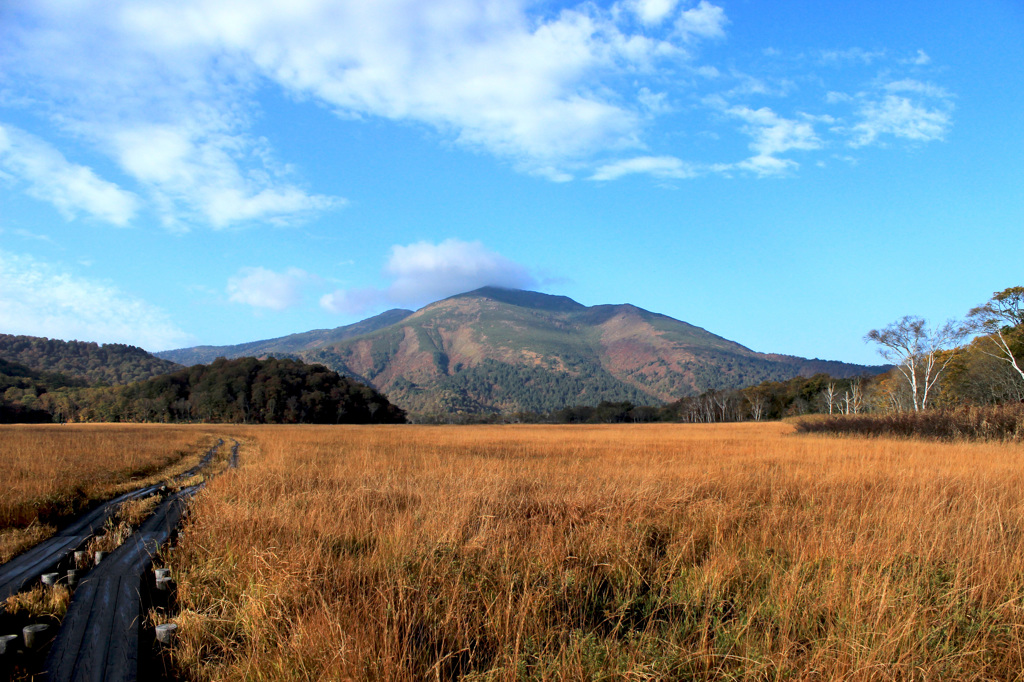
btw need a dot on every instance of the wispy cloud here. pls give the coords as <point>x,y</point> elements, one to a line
<point>171,91</point>
<point>424,272</point>
<point>72,188</point>
<point>773,135</point>
<point>666,167</point>
<point>538,89</point>
<point>43,300</point>
<point>852,54</point>
<point>900,117</point>
<point>906,109</point>
<point>262,288</point>
<point>197,175</point>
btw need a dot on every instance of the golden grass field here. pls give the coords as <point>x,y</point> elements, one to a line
<point>640,552</point>
<point>48,473</point>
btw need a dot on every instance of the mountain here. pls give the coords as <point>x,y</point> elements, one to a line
<point>82,362</point>
<point>284,346</point>
<point>508,350</point>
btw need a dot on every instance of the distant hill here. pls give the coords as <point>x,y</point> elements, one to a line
<point>284,346</point>
<point>243,390</point>
<point>508,350</point>
<point>87,362</point>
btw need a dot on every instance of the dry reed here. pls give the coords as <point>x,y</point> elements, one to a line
<point>640,552</point>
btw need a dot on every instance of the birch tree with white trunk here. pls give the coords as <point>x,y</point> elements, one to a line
<point>1000,320</point>
<point>916,351</point>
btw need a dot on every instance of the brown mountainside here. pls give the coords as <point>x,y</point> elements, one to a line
<point>508,350</point>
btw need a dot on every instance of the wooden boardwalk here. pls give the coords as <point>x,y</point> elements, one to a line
<point>23,571</point>
<point>99,638</point>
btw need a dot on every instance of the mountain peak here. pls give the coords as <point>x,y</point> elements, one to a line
<point>525,299</point>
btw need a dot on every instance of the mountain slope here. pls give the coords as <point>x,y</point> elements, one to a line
<point>286,345</point>
<point>508,350</point>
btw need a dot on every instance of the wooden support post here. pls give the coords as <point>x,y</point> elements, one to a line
<point>166,633</point>
<point>34,635</point>
<point>8,644</point>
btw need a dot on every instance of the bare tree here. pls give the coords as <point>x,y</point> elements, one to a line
<point>853,397</point>
<point>917,353</point>
<point>829,396</point>
<point>999,319</point>
<point>758,405</point>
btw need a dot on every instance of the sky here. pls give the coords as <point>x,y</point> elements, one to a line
<point>787,174</point>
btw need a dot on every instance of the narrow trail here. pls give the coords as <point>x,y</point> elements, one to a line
<point>99,638</point>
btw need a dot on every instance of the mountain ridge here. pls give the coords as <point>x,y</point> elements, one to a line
<point>506,350</point>
<point>283,345</point>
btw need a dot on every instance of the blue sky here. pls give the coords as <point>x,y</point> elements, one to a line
<point>785,174</point>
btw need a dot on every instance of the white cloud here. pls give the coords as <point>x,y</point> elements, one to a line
<point>263,288</point>
<point>70,187</point>
<point>853,54</point>
<point>425,272</point>
<point>919,88</point>
<point>658,166</point>
<point>174,117</point>
<point>353,301</point>
<point>171,90</point>
<point>921,59</point>
<point>538,89</point>
<point>773,135</point>
<point>900,117</point>
<point>703,21</point>
<point>39,299</point>
<point>653,102</point>
<point>833,97</point>
<point>653,11</point>
<point>765,164</point>
<point>199,175</point>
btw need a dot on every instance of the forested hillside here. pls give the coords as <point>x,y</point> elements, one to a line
<point>111,363</point>
<point>238,391</point>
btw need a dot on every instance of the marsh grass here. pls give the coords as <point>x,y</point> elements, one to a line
<point>606,552</point>
<point>51,473</point>
<point>125,521</point>
<point>40,602</point>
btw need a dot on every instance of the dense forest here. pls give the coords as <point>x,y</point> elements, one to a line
<point>246,390</point>
<point>92,363</point>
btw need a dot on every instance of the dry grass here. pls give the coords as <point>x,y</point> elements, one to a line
<point>40,602</point>
<point>52,472</point>
<point>125,521</point>
<point>641,552</point>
